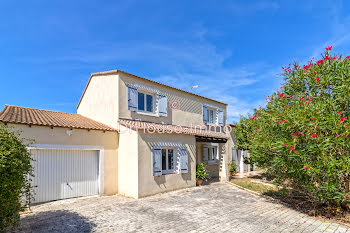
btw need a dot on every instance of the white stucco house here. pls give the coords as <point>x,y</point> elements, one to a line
<point>130,135</point>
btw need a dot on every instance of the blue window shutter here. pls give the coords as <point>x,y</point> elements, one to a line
<point>162,104</point>
<point>157,161</point>
<point>220,117</point>
<point>132,98</point>
<point>205,114</point>
<point>183,159</point>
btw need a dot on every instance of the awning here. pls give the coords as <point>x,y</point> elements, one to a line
<point>210,139</point>
<point>151,127</point>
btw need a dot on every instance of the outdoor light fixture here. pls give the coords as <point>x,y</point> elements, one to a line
<point>69,132</point>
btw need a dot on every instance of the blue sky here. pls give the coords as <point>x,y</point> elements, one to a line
<point>233,49</point>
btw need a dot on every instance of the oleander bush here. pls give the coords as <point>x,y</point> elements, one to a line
<point>15,172</point>
<point>302,135</point>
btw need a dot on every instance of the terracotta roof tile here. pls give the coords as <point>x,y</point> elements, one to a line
<point>164,128</point>
<point>32,116</point>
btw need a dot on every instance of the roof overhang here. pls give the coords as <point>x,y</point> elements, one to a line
<point>110,72</point>
<point>210,139</point>
<point>150,127</point>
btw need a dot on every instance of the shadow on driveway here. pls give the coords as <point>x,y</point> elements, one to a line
<point>55,221</point>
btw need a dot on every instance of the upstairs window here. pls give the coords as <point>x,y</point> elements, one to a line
<point>151,102</point>
<point>211,116</point>
<point>145,102</point>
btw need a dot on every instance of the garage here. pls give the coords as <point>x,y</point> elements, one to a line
<point>61,174</point>
<point>73,156</point>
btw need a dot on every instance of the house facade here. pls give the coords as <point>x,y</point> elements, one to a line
<point>131,136</point>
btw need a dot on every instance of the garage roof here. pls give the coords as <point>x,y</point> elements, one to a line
<point>32,116</point>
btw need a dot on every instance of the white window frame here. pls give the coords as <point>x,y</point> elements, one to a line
<point>168,171</point>
<point>215,110</point>
<point>215,118</point>
<point>145,93</point>
<point>211,155</point>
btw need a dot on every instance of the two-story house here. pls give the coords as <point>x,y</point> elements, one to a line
<point>131,135</point>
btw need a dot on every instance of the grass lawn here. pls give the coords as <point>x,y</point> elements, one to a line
<point>249,184</point>
<point>294,200</point>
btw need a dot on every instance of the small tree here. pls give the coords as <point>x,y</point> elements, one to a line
<point>302,135</point>
<point>15,172</point>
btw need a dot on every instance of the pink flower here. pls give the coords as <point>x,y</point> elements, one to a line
<point>283,119</point>
<point>296,133</point>
<point>337,135</point>
<point>347,195</point>
<point>348,57</point>
<point>327,57</point>
<point>307,66</point>
<point>312,118</point>
<point>319,61</point>
<point>295,151</point>
<point>318,79</point>
<point>338,112</point>
<point>302,98</point>
<point>257,128</point>
<point>328,48</point>
<point>254,117</point>
<point>343,119</point>
<point>307,168</point>
<point>285,144</point>
<point>306,102</point>
<point>291,147</point>
<point>277,122</point>
<point>313,135</point>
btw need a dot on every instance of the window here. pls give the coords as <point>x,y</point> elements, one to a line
<point>211,116</point>
<point>167,161</point>
<point>145,102</point>
<point>211,154</point>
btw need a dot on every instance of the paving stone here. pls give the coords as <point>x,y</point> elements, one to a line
<point>218,207</point>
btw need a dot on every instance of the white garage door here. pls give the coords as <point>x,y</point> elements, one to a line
<point>61,174</point>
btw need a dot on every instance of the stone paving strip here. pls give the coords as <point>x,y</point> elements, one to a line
<point>218,207</point>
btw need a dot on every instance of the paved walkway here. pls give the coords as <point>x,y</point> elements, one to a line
<point>218,207</point>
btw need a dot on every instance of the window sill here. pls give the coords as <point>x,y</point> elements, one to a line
<point>212,162</point>
<point>148,114</point>
<point>212,124</point>
<point>168,172</point>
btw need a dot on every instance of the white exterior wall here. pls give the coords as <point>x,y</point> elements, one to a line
<point>128,162</point>
<point>101,100</point>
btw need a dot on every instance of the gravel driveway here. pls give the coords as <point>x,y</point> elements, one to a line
<point>219,207</point>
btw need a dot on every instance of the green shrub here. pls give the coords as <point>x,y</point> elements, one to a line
<point>302,135</point>
<point>232,167</point>
<point>201,172</point>
<point>15,172</point>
